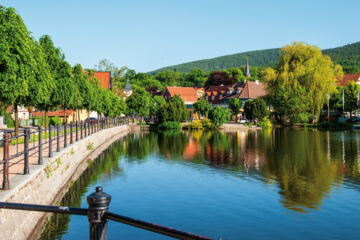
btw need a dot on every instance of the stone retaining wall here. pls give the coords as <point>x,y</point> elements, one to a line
<point>45,182</point>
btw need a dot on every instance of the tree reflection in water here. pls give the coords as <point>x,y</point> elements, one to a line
<point>305,164</point>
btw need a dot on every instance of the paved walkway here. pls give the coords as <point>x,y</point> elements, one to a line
<point>16,166</point>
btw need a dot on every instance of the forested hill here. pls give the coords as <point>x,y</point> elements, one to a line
<point>348,56</point>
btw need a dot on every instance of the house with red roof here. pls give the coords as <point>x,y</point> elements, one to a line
<point>349,77</point>
<point>187,94</point>
<point>104,79</point>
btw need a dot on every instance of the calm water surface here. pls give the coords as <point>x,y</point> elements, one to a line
<point>280,184</point>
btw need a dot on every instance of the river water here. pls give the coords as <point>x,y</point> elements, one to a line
<point>279,184</point>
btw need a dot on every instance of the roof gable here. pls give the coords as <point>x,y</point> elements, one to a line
<point>187,94</point>
<point>253,90</point>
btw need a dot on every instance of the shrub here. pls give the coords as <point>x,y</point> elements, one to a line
<point>207,124</point>
<point>219,116</point>
<point>265,123</point>
<point>54,121</point>
<point>256,109</point>
<point>173,111</point>
<point>197,124</point>
<point>169,126</point>
<point>8,120</point>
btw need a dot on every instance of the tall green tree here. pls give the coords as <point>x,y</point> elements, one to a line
<point>139,103</point>
<point>17,61</point>
<point>197,77</point>
<point>156,104</point>
<point>53,58</point>
<point>256,109</point>
<point>351,92</point>
<point>235,105</point>
<point>174,110</point>
<point>219,116</point>
<point>202,107</point>
<point>291,105</point>
<point>304,65</point>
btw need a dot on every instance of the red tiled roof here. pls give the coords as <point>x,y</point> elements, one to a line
<point>59,113</point>
<point>218,88</point>
<point>349,77</point>
<point>187,94</point>
<point>198,89</point>
<point>253,90</point>
<point>104,78</point>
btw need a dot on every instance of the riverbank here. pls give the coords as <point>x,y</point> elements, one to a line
<point>47,183</point>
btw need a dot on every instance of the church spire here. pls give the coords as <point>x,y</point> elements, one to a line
<point>247,68</point>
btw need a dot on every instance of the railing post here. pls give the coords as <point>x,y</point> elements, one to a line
<point>65,135</point>
<point>50,142</point>
<point>81,129</point>
<point>88,127</point>
<point>40,158</point>
<point>77,129</point>
<point>6,183</point>
<point>58,138</point>
<point>98,203</point>
<point>26,151</point>
<point>71,132</point>
<point>85,131</point>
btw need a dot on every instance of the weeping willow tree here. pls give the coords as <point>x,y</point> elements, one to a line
<point>301,68</point>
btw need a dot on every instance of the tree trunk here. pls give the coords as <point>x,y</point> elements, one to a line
<point>16,120</point>
<point>65,119</point>
<point>46,118</point>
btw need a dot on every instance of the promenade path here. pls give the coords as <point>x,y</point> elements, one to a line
<point>16,165</point>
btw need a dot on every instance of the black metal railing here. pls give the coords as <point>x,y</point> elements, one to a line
<point>34,141</point>
<point>98,216</point>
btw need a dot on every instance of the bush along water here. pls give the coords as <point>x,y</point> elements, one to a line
<point>169,126</point>
<point>265,123</point>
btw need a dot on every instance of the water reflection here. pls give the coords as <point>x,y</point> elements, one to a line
<point>305,165</point>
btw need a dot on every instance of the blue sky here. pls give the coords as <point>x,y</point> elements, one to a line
<point>146,35</point>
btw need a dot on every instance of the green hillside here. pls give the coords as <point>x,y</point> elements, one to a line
<point>348,56</point>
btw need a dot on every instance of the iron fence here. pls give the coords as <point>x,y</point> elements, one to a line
<point>32,142</point>
<point>98,216</point>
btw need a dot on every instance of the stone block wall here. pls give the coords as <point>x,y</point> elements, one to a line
<point>46,182</point>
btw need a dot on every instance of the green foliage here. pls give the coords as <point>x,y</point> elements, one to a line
<point>235,105</point>
<point>290,105</point>
<point>156,104</point>
<point>206,123</point>
<point>90,146</point>
<point>347,56</point>
<point>139,103</point>
<point>256,109</point>
<point>202,106</point>
<point>169,126</point>
<point>304,68</point>
<point>197,124</point>
<point>219,116</point>
<point>174,110</point>
<point>7,119</point>
<point>351,91</point>
<point>265,123</point>
<point>256,58</point>
<point>54,121</point>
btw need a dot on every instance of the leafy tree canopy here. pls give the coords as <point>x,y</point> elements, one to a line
<point>256,109</point>
<point>304,66</point>
<point>202,106</point>
<point>219,116</point>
